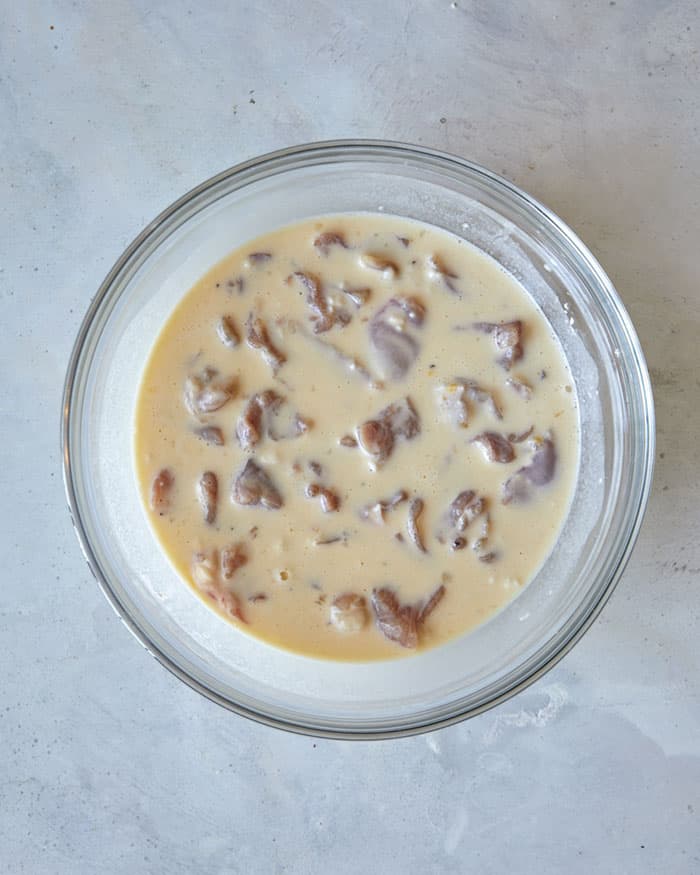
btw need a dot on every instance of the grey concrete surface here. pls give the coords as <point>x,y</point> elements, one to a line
<point>108,111</point>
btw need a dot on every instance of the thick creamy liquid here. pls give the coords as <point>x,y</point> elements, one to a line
<point>343,365</point>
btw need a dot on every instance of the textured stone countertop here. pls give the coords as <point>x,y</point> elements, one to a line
<point>110,111</point>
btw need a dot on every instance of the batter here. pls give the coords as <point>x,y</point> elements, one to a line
<point>356,437</point>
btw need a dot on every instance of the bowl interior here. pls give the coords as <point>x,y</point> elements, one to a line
<point>468,673</point>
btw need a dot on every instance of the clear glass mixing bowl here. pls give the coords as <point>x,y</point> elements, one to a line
<point>471,673</point>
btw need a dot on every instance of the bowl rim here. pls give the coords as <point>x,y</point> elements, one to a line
<point>345,148</point>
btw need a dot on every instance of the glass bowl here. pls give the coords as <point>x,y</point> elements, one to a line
<point>468,674</point>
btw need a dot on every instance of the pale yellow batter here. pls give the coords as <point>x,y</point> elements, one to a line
<point>356,436</point>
